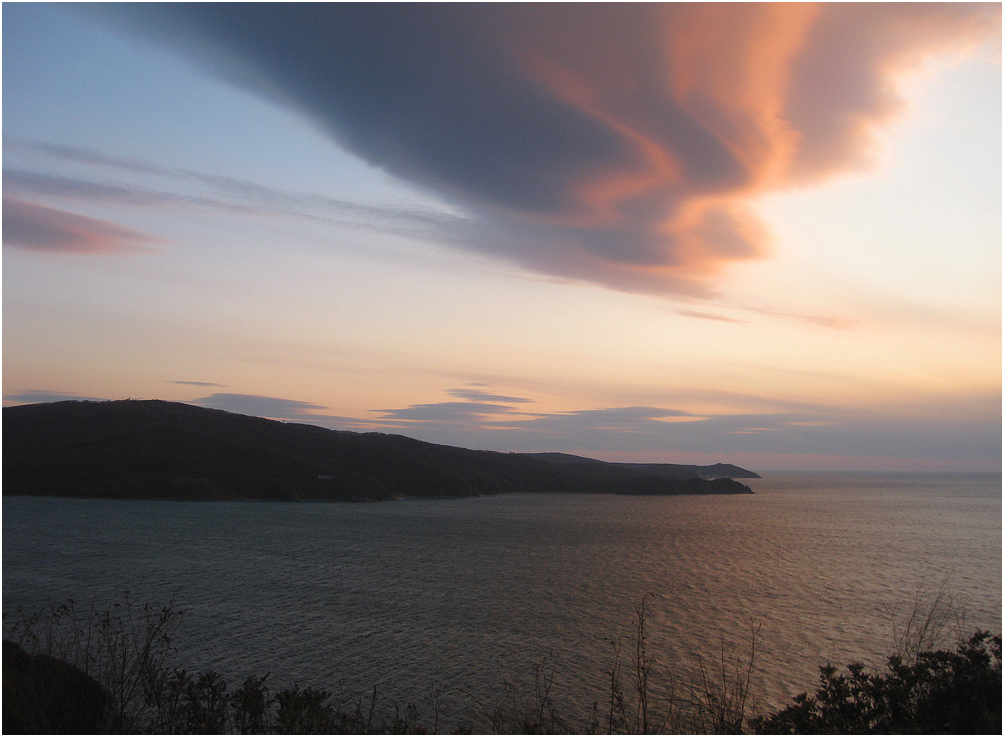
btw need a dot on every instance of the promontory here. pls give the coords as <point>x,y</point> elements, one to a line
<point>158,450</point>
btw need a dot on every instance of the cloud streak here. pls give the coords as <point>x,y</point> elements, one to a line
<point>971,431</point>
<point>477,395</point>
<point>709,316</point>
<point>80,190</point>
<point>258,405</point>
<point>617,143</point>
<point>448,412</point>
<point>662,432</point>
<point>43,229</point>
<point>223,194</point>
<point>30,397</point>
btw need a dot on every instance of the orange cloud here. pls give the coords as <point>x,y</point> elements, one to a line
<point>621,143</point>
<point>843,83</point>
<point>729,67</point>
<point>39,228</point>
<point>729,101</point>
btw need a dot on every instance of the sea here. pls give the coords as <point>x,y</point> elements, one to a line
<point>478,597</point>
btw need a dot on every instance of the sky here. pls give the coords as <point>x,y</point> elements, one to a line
<point>767,235</point>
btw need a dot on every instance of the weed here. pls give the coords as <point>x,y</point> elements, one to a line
<point>109,671</point>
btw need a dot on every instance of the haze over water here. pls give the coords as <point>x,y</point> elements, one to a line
<point>470,592</point>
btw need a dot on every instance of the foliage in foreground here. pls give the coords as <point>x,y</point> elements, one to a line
<point>110,672</point>
<point>118,662</point>
<point>941,692</point>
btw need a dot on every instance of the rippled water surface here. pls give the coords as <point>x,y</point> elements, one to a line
<point>470,592</point>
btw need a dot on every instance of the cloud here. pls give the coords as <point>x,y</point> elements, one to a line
<point>448,412</point>
<point>708,316</point>
<point>962,428</point>
<point>195,384</point>
<point>79,190</point>
<point>34,183</point>
<point>619,428</point>
<point>39,228</point>
<point>281,408</point>
<point>259,405</point>
<point>617,143</point>
<point>622,419</point>
<point>482,396</point>
<point>824,321</point>
<point>942,433</point>
<point>501,426</point>
<point>223,194</point>
<point>848,59</point>
<point>84,156</point>
<point>31,397</point>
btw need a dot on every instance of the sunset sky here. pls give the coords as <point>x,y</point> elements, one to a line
<point>758,234</point>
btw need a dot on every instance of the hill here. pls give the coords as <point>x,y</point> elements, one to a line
<point>668,471</point>
<point>152,449</point>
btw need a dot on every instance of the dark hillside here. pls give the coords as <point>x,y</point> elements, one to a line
<point>712,471</point>
<point>153,449</point>
<point>667,471</point>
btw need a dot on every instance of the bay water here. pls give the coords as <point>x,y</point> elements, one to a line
<point>472,593</point>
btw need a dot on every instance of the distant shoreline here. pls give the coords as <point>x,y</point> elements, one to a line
<point>157,450</point>
<point>356,502</point>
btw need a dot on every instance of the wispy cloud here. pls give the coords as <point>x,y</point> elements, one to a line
<point>620,419</point>
<point>824,321</point>
<point>44,229</point>
<point>971,431</point>
<point>617,143</point>
<point>708,316</point>
<point>194,384</point>
<point>616,428</point>
<point>220,193</point>
<point>477,395</point>
<point>281,408</point>
<point>84,156</point>
<point>31,397</point>
<point>448,412</point>
<point>80,190</point>
<point>260,405</point>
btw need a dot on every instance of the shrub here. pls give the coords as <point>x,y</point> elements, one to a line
<point>108,671</point>
<point>44,695</point>
<point>124,647</point>
<point>250,707</point>
<point>938,692</point>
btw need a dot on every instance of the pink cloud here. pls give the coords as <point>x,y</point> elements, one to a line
<point>43,229</point>
<point>719,103</point>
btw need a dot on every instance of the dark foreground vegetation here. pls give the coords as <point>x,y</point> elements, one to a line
<point>151,449</point>
<point>949,691</point>
<point>112,672</point>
